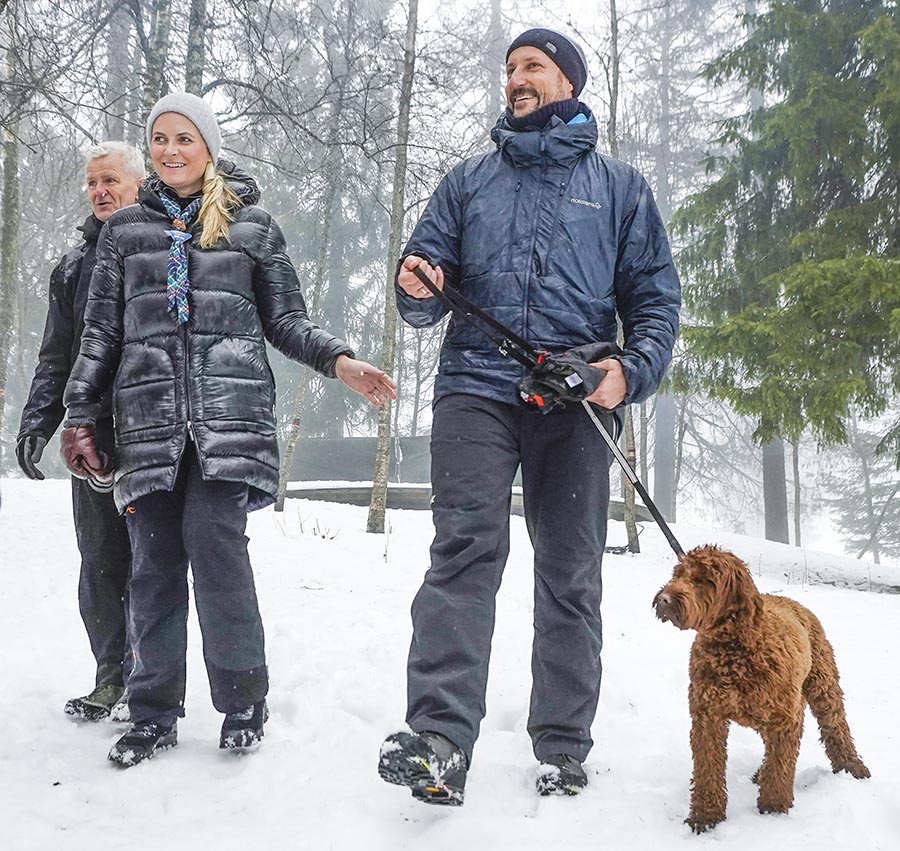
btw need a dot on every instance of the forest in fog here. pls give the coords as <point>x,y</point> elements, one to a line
<point>768,131</point>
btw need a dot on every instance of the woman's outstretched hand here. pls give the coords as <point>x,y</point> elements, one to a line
<point>367,380</point>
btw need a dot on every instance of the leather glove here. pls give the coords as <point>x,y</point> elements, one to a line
<point>29,448</point>
<point>78,448</point>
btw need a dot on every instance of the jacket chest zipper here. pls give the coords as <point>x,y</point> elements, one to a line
<point>187,378</point>
<point>556,215</point>
<point>534,230</point>
<point>515,215</point>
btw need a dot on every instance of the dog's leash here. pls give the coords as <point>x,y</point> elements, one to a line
<point>512,345</point>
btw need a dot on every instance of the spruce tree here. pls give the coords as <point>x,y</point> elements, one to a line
<point>792,262</point>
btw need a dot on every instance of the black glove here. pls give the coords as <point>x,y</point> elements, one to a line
<point>566,376</point>
<point>29,448</point>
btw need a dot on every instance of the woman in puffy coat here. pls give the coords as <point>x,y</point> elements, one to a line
<point>190,283</point>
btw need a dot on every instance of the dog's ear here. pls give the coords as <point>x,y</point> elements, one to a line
<point>736,583</point>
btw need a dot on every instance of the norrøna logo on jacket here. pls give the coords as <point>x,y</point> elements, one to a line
<point>584,203</point>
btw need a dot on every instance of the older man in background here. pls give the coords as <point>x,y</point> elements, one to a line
<point>113,173</point>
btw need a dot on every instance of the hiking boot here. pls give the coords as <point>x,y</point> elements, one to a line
<point>245,728</point>
<point>120,714</point>
<point>143,741</point>
<point>428,763</point>
<point>96,705</point>
<point>560,774</point>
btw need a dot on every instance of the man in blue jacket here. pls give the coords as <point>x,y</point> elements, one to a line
<point>553,240</point>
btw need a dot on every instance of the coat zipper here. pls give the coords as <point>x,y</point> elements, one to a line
<point>187,394</point>
<point>515,215</point>
<point>534,230</point>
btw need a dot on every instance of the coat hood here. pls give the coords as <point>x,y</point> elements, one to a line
<point>557,142</point>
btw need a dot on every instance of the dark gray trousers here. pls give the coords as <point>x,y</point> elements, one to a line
<point>201,523</point>
<point>477,445</point>
<point>103,581</point>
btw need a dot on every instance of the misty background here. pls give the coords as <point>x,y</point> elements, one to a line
<point>769,132</point>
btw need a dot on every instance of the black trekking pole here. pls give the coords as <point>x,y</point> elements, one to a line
<point>512,345</point>
<point>632,477</point>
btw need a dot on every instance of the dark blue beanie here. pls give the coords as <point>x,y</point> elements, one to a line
<point>563,51</point>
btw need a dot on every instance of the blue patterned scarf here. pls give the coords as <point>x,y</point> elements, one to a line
<point>178,283</point>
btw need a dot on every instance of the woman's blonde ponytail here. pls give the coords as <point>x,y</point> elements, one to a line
<point>216,210</point>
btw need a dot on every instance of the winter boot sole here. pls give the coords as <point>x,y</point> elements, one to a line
<point>242,739</point>
<point>81,710</point>
<point>404,769</point>
<point>129,757</point>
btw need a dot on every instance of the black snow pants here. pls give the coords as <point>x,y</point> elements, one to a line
<point>202,523</point>
<point>105,564</point>
<point>477,445</point>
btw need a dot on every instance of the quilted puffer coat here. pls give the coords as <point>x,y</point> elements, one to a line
<point>207,381</point>
<point>552,239</point>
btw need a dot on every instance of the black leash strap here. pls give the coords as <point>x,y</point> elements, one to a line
<point>511,344</point>
<point>508,342</point>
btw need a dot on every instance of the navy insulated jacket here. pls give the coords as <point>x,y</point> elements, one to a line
<point>552,239</point>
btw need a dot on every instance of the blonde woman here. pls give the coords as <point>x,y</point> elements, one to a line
<point>190,283</point>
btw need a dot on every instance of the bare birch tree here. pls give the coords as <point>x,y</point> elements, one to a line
<point>378,503</point>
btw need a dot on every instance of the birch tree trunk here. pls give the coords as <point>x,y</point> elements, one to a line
<point>493,63</point>
<point>155,62</point>
<point>9,227</point>
<point>612,135</point>
<point>664,454</point>
<point>378,503</point>
<point>118,73</point>
<point>196,48</point>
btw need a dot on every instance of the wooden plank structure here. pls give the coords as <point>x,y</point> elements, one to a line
<point>416,497</point>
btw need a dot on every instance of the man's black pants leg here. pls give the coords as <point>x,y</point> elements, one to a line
<point>103,581</point>
<point>474,457</point>
<point>565,484</point>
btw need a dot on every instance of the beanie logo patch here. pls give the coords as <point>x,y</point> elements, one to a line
<point>583,203</point>
<point>551,47</point>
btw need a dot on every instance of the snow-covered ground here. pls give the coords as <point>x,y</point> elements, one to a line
<point>335,602</point>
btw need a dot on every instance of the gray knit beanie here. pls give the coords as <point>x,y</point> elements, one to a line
<point>562,50</point>
<point>194,109</point>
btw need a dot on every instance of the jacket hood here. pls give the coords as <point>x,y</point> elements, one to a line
<point>557,141</point>
<point>242,184</point>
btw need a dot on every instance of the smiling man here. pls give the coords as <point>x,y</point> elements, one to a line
<point>113,173</point>
<point>553,240</point>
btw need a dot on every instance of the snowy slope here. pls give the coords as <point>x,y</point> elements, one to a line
<point>335,603</point>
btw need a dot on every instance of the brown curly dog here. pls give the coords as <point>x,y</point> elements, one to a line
<point>757,660</point>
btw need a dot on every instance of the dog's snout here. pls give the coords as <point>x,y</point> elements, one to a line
<point>663,604</point>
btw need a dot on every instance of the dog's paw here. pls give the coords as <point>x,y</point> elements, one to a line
<point>854,767</point>
<point>774,806</point>
<point>700,824</point>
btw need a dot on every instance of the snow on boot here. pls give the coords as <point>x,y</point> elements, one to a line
<point>120,714</point>
<point>245,728</point>
<point>143,741</point>
<point>96,705</point>
<point>428,763</point>
<point>560,774</point>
